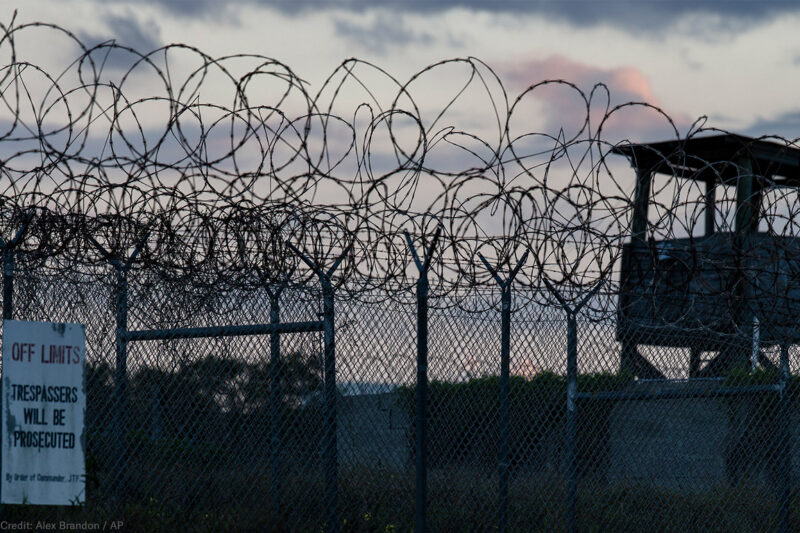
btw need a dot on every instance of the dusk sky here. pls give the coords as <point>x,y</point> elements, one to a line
<point>736,62</point>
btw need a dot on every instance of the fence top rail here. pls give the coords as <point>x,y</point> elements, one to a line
<point>222,331</point>
<point>680,394</point>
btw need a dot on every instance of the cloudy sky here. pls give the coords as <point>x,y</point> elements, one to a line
<point>737,62</point>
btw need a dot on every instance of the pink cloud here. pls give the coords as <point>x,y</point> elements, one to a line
<point>625,83</point>
<point>632,81</point>
<point>561,107</point>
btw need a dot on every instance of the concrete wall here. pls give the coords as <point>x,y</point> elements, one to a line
<point>699,442</point>
<point>668,443</point>
<point>680,443</point>
<point>372,430</point>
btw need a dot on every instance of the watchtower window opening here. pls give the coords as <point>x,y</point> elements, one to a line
<point>724,208</point>
<point>676,207</point>
<point>780,211</point>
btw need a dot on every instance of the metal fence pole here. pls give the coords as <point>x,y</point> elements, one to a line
<point>572,395</point>
<point>571,445</point>
<point>505,376</point>
<point>421,399</point>
<point>121,380</point>
<point>421,418</point>
<point>8,283</point>
<point>120,422</point>
<point>8,294</point>
<point>330,449</point>
<point>274,406</point>
<point>329,398</point>
<point>785,442</point>
<point>9,252</point>
<point>9,256</point>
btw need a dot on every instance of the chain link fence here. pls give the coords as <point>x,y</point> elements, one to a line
<point>368,309</point>
<point>211,426</point>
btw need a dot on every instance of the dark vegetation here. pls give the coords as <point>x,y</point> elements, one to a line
<point>464,428</point>
<point>199,440</point>
<point>205,412</point>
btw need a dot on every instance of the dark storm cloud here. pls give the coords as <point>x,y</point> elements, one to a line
<point>785,125</point>
<point>382,31</point>
<point>630,15</point>
<point>126,30</point>
<point>130,32</point>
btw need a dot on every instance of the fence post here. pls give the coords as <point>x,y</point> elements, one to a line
<point>8,283</point>
<point>329,447</point>
<point>572,414</point>
<point>572,407</point>
<point>329,395</point>
<point>785,442</point>
<point>8,249</point>
<point>505,371</point>
<point>421,419</point>
<point>274,404</point>
<point>421,422</point>
<point>121,363</point>
<point>121,378</point>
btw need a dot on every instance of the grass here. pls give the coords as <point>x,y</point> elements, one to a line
<point>382,500</point>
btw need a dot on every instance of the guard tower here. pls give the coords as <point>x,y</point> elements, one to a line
<point>717,292</point>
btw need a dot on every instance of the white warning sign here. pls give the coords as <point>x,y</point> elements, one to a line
<point>43,403</point>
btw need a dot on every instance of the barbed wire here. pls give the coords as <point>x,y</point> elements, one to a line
<point>218,163</point>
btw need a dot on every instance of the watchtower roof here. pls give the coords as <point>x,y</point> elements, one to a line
<point>717,157</point>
